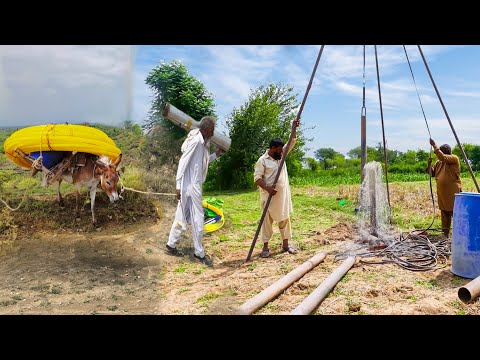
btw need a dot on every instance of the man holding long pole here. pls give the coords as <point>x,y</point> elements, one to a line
<point>295,124</point>
<point>280,207</point>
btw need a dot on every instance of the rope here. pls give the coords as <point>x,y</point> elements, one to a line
<point>39,160</point>
<point>48,138</point>
<point>429,134</point>
<point>449,121</point>
<point>146,192</point>
<point>383,129</point>
<point>18,207</point>
<point>123,188</point>
<point>413,251</point>
<point>418,95</point>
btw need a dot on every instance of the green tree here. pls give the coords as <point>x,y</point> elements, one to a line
<point>466,147</point>
<point>312,164</point>
<point>324,154</point>
<point>410,157</point>
<point>356,153</point>
<point>171,82</point>
<point>338,161</point>
<point>268,113</point>
<point>475,157</point>
<point>392,155</point>
<point>422,156</point>
<point>472,152</point>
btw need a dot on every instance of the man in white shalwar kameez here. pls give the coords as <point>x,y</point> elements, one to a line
<point>280,206</point>
<point>191,174</point>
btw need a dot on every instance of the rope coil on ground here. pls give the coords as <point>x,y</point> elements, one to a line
<point>413,251</point>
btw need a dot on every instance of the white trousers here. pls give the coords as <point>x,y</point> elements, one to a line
<point>194,215</point>
<point>267,228</point>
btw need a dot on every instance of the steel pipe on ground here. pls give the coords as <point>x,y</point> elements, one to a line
<point>470,291</point>
<point>271,292</point>
<point>321,292</point>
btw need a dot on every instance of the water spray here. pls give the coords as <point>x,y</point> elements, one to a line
<point>374,208</point>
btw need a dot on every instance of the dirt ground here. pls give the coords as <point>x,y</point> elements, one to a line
<point>122,269</point>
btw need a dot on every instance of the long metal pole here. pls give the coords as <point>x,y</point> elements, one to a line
<point>284,155</point>
<point>363,143</point>
<point>363,127</point>
<point>450,122</point>
<point>271,292</point>
<point>383,126</point>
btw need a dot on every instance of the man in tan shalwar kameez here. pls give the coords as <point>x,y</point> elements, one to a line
<point>280,206</point>
<point>447,174</point>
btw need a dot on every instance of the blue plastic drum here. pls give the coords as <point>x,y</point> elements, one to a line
<point>466,235</point>
<point>49,158</point>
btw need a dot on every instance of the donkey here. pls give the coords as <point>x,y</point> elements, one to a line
<point>89,170</point>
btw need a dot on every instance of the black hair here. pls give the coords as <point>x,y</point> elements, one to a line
<point>446,149</point>
<point>276,142</point>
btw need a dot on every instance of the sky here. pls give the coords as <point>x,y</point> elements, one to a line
<point>42,84</point>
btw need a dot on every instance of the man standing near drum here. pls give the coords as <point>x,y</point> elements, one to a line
<point>447,174</point>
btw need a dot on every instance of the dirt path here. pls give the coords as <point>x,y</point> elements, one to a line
<point>125,271</point>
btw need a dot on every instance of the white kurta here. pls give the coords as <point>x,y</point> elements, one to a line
<point>191,174</point>
<point>266,168</point>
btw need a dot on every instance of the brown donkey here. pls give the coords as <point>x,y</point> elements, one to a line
<point>88,170</point>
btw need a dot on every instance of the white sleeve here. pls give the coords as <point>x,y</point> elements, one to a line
<point>213,157</point>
